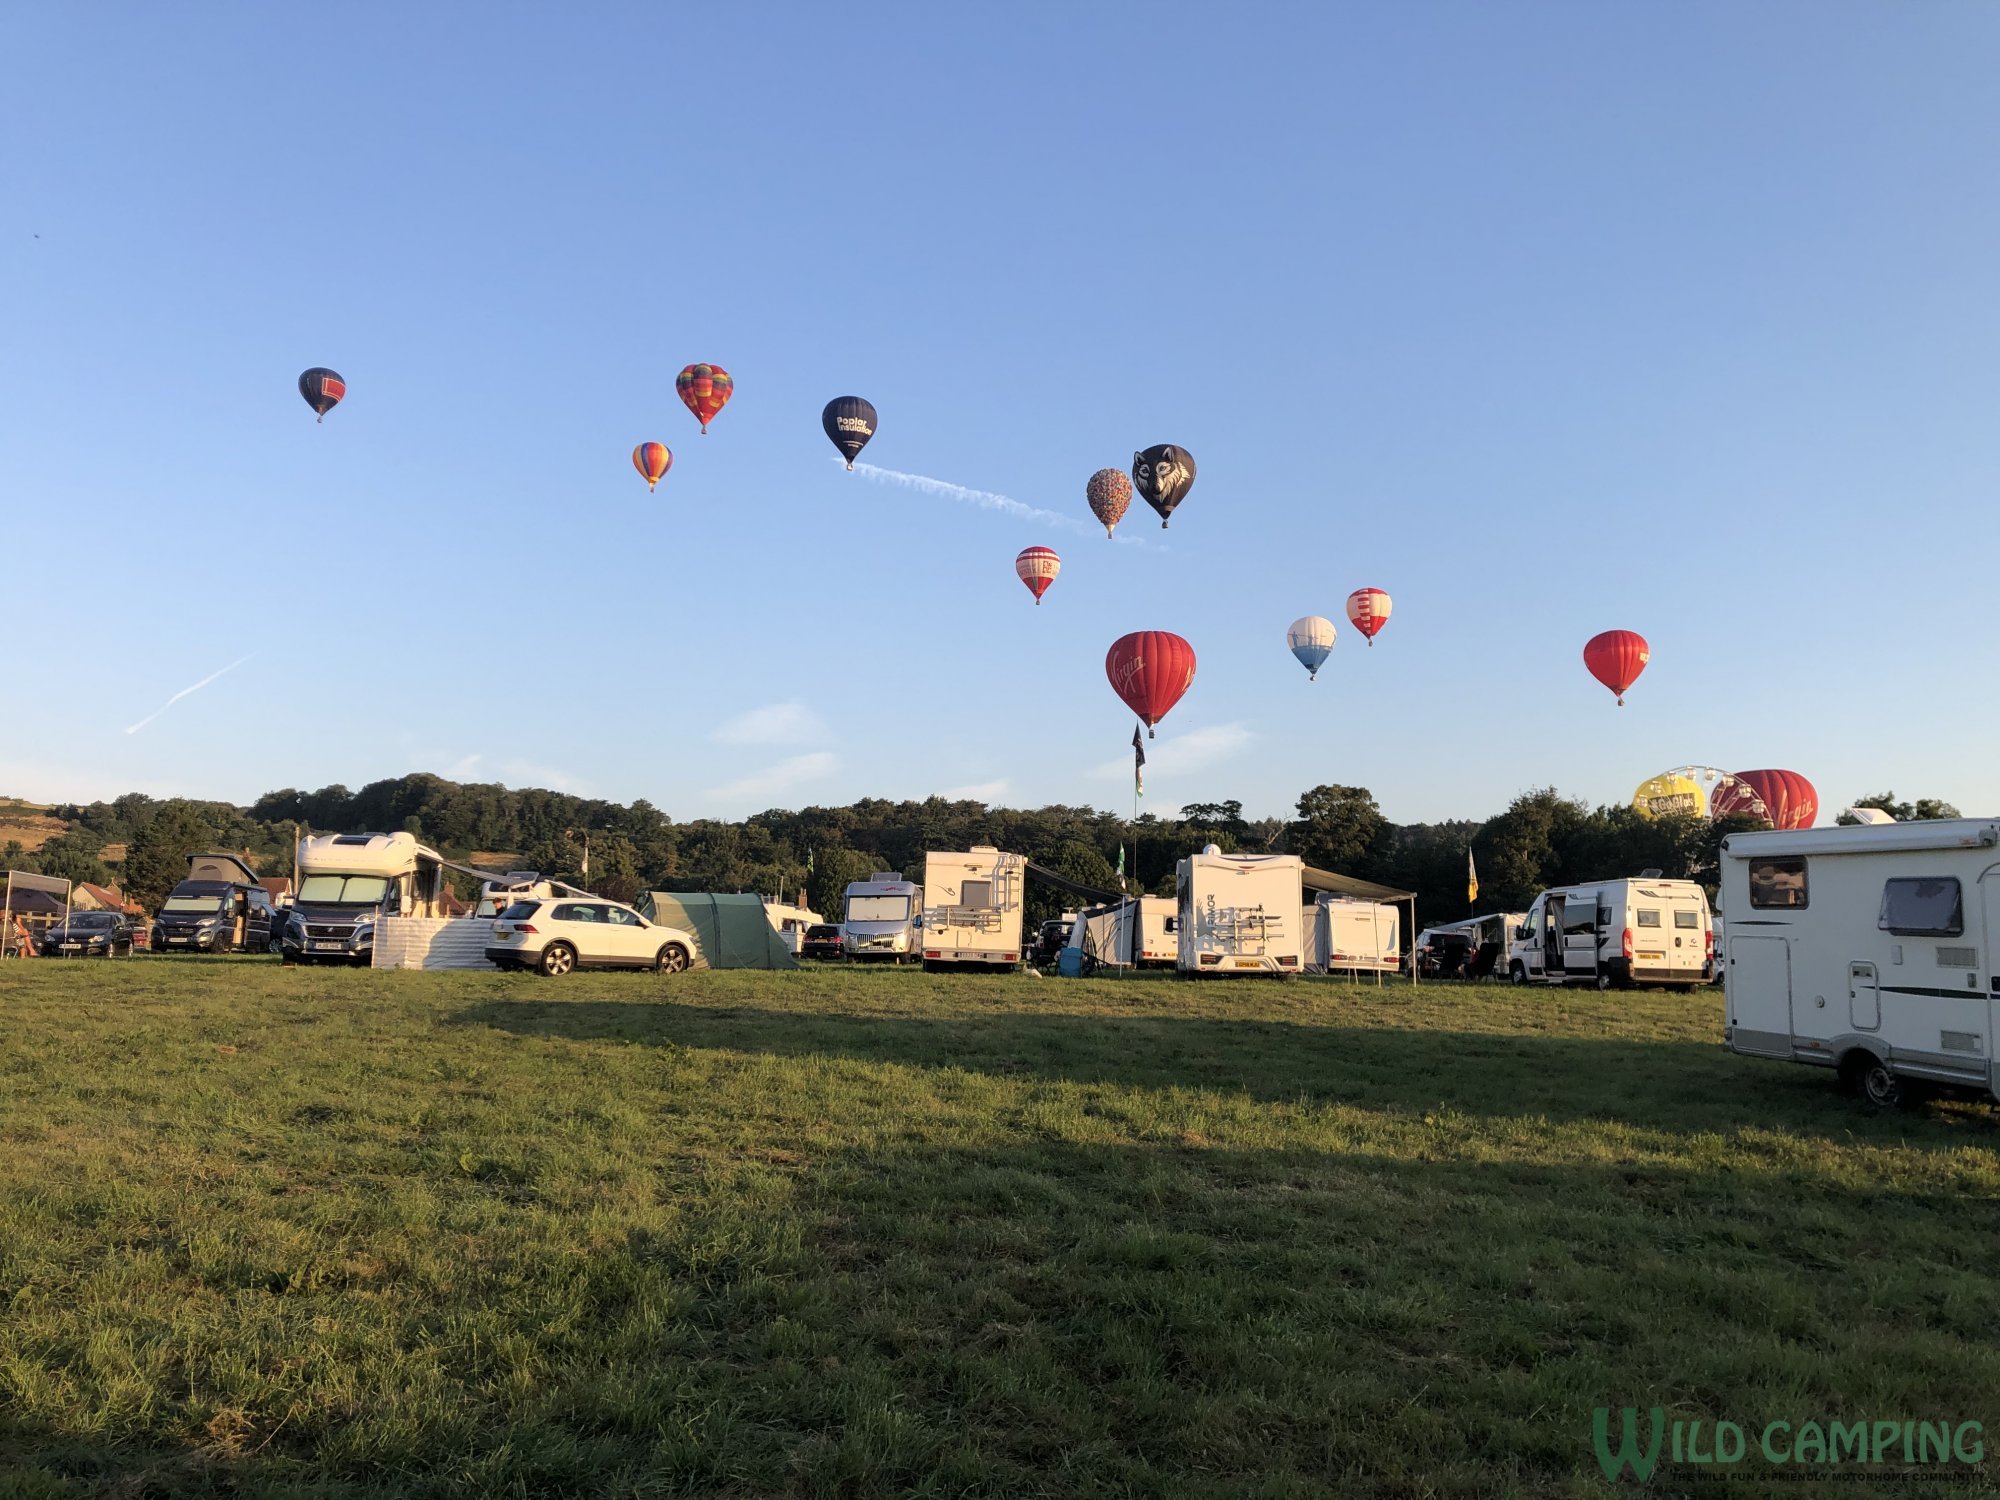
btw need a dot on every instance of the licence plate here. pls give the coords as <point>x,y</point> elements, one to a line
<point>324,947</point>
<point>1653,957</point>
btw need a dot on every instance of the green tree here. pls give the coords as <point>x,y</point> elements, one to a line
<point>1337,828</point>
<point>156,861</point>
<point>1923,810</point>
<point>73,856</point>
<point>833,871</point>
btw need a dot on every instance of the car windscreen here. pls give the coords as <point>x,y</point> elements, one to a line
<point>85,919</point>
<point>202,902</point>
<point>878,908</point>
<point>343,890</point>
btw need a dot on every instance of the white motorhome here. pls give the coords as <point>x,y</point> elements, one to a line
<point>1137,932</point>
<point>1353,936</point>
<point>1615,932</point>
<point>881,917</point>
<point>972,907</point>
<point>1871,950</point>
<point>1240,913</point>
<point>791,923</point>
<point>349,880</point>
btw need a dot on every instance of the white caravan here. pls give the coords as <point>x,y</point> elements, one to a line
<point>1870,950</point>
<point>790,923</point>
<point>972,907</point>
<point>1137,932</point>
<point>881,916</point>
<point>1240,913</point>
<point>1353,936</point>
<point>347,881</point>
<point>1615,932</point>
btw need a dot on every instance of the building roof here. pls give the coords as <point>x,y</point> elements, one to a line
<point>276,886</point>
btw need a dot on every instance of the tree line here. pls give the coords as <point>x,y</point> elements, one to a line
<point>1543,838</point>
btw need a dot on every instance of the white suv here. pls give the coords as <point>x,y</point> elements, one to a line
<point>556,936</point>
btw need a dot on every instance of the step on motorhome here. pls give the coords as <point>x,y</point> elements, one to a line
<point>880,917</point>
<point>347,881</point>
<point>1240,913</point>
<point>972,907</point>
<point>1615,932</point>
<point>1873,951</point>
<point>1344,935</point>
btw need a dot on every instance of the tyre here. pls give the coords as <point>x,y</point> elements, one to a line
<point>557,960</point>
<point>1604,979</point>
<point>1881,1087</point>
<point>1517,972</point>
<point>673,959</point>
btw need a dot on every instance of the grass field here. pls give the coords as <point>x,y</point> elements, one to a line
<point>312,1233</point>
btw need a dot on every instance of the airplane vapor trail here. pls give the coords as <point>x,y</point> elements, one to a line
<point>191,688</point>
<point>984,499</point>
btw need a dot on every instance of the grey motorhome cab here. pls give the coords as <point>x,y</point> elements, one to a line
<point>220,907</point>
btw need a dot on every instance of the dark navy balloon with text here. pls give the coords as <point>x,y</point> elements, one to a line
<point>322,389</point>
<point>849,422</point>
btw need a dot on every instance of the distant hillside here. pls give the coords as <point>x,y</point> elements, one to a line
<point>29,824</point>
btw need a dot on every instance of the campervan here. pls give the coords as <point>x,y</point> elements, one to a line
<point>1240,913</point>
<point>791,923</point>
<point>882,915</point>
<point>1472,949</point>
<point>972,907</point>
<point>1615,932</point>
<point>1353,936</point>
<point>347,881</point>
<point>1873,951</point>
<point>220,908</point>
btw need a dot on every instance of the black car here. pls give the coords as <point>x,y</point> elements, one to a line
<point>822,940</point>
<point>219,908</point>
<point>88,934</point>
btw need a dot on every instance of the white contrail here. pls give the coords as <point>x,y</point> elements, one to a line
<point>194,688</point>
<point>986,500</point>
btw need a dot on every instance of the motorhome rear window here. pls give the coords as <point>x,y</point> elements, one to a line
<point>1779,883</point>
<point>1649,919</point>
<point>1687,919</point>
<point>1923,906</point>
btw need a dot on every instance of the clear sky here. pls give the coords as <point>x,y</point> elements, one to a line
<point>1546,318</point>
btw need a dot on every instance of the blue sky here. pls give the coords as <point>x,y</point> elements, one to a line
<point>1548,319</point>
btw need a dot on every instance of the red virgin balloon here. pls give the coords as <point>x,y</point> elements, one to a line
<point>1150,669</point>
<point>1790,801</point>
<point>1616,658</point>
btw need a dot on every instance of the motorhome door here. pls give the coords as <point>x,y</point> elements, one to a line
<point>1552,938</point>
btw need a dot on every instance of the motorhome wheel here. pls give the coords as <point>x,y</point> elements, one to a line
<point>1604,979</point>
<point>1881,1087</point>
<point>1517,973</point>
<point>672,960</point>
<point>558,959</point>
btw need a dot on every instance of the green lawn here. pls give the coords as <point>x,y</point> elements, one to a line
<point>302,1232</point>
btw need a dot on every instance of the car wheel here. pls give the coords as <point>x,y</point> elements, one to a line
<point>558,959</point>
<point>1517,973</point>
<point>673,959</point>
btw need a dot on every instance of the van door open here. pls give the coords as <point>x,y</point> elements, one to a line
<point>1552,939</point>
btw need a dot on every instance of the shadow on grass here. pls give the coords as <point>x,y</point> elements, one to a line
<point>1667,1085</point>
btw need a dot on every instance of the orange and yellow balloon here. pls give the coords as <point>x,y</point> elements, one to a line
<point>652,460</point>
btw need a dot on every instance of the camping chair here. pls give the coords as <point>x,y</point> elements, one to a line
<point>1481,964</point>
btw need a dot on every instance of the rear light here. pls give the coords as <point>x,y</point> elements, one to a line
<point>1211,958</point>
<point>526,929</point>
<point>1288,962</point>
<point>1628,943</point>
<point>1012,957</point>
<point>1708,943</point>
<point>933,953</point>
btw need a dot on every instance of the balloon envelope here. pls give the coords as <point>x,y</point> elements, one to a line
<point>1163,474</point>
<point>1150,670</point>
<point>1110,495</point>
<point>704,390</point>
<point>322,389</point>
<point>1311,640</point>
<point>849,422</point>
<point>1671,793</point>
<point>1616,658</point>
<point>1037,568</point>
<point>652,460</point>
<point>1789,800</point>
<point>1368,611</point>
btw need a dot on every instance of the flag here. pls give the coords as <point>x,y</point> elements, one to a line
<point>1138,763</point>
<point>1121,863</point>
<point>1471,879</point>
<point>809,861</point>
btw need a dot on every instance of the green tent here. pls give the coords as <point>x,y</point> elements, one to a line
<point>733,931</point>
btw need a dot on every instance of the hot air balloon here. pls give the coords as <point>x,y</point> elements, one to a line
<point>322,389</point>
<point>1616,658</point>
<point>850,423</point>
<point>1311,640</point>
<point>652,460</point>
<point>705,390</point>
<point>1037,568</point>
<point>1149,669</point>
<point>1110,496</point>
<point>1789,800</point>
<point>1163,474</point>
<point>1368,611</point>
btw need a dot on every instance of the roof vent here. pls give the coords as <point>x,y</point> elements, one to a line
<point>1651,874</point>
<point>1211,849</point>
<point>354,838</point>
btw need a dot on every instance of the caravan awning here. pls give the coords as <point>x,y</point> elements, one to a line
<point>1347,885</point>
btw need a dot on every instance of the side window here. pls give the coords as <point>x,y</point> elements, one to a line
<point>1579,921</point>
<point>1778,883</point>
<point>617,916</point>
<point>1650,918</point>
<point>1688,919</point>
<point>573,911</point>
<point>1923,906</point>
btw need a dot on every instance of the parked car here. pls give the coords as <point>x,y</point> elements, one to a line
<point>558,936</point>
<point>1050,940</point>
<point>88,934</point>
<point>822,940</point>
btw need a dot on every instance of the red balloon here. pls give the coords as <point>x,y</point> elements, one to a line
<point>1789,800</point>
<point>1150,669</point>
<point>1616,658</point>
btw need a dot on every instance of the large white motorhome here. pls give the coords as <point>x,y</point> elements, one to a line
<point>1240,913</point>
<point>1615,932</point>
<point>972,907</point>
<point>1872,950</point>
<point>881,917</point>
<point>349,880</point>
<point>1351,936</point>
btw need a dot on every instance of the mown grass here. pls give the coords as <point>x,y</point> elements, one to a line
<point>312,1233</point>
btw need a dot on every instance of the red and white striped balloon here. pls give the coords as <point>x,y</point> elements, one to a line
<point>1368,609</point>
<point>1037,568</point>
